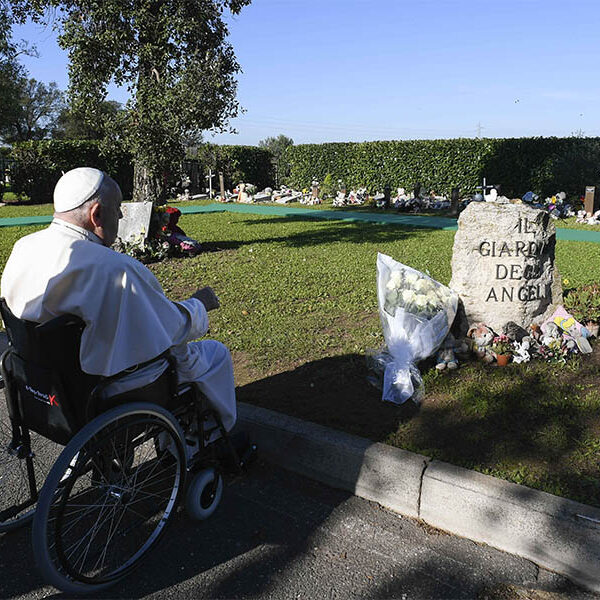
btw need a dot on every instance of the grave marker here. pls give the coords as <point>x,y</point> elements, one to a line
<point>590,203</point>
<point>135,223</point>
<point>503,264</point>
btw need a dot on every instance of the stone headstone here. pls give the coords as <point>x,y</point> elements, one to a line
<point>591,201</point>
<point>221,186</point>
<point>135,223</point>
<point>503,265</point>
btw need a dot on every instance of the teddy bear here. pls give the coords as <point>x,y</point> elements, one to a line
<point>552,332</point>
<point>447,354</point>
<point>482,337</point>
<point>446,359</point>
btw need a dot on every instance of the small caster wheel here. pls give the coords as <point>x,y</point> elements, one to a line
<point>204,494</point>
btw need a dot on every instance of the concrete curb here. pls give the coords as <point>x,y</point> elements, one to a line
<point>555,533</point>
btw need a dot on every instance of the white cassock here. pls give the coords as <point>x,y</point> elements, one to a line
<point>66,269</point>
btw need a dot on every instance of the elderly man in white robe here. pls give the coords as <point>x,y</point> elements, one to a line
<point>70,268</point>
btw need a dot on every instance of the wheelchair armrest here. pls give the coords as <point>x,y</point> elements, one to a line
<point>60,322</point>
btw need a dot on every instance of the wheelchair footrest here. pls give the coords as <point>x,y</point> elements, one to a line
<point>248,456</point>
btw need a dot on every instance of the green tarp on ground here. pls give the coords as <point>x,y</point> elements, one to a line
<point>24,221</point>
<point>445,223</point>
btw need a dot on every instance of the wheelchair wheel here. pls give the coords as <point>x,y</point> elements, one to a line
<point>108,498</point>
<point>204,494</point>
<point>20,467</point>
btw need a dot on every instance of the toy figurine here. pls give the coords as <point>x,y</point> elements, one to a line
<point>446,359</point>
<point>482,337</point>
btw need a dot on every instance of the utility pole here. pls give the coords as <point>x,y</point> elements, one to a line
<point>479,128</point>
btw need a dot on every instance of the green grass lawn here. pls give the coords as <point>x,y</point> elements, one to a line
<point>299,311</point>
<point>24,210</point>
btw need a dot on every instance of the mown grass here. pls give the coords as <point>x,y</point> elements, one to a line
<point>299,311</point>
<point>24,210</point>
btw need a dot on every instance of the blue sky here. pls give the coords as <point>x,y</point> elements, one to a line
<point>354,70</point>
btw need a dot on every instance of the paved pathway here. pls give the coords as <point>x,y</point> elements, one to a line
<point>277,535</point>
<point>444,223</point>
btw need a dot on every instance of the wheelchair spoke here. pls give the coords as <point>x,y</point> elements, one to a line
<point>109,540</point>
<point>116,500</point>
<point>90,533</point>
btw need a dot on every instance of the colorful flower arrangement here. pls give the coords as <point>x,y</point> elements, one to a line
<point>165,239</point>
<point>502,344</point>
<point>163,227</point>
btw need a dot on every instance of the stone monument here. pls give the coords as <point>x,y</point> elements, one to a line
<point>591,203</point>
<point>134,225</point>
<point>503,265</point>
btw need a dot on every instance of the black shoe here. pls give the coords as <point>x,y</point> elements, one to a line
<point>240,442</point>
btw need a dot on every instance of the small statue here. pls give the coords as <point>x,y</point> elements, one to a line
<point>482,337</point>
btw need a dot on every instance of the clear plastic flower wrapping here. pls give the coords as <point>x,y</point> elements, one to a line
<point>416,315</point>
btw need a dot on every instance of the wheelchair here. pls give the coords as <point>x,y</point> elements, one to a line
<point>100,477</point>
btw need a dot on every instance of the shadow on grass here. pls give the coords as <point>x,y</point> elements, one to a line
<point>332,391</point>
<point>533,424</point>
<point>327,233</point>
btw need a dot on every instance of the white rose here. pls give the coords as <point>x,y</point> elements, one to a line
<point>408,296</point>
<point>433,299</point>
<point>411,277</point>
<point>394,281</point>
<point>421,301</point>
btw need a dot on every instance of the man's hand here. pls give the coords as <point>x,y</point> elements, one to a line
<point>207,296</point>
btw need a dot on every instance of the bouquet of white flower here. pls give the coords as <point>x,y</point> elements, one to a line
<point>416,315</point>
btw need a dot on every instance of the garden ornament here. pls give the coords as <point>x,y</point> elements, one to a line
<point>492,196</point>
<point>446,357</point>
<point>521,351</point>
<point>535,332</point>
<point>530,197</point>
<point>482,337</point>
<point>515,332</point>
<point>550,332</point>
<point>572,329</point>
<point>446,360</point>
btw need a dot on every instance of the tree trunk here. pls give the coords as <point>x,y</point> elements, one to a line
<point>148,187</point>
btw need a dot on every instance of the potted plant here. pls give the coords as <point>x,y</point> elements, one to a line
<point>502,348</point>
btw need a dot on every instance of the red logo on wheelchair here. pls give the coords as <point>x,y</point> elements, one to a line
<point>42,397</point>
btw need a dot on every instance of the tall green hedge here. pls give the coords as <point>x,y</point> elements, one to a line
<point>40,165</point>
<point>543,165</point>
<point>248,164</point>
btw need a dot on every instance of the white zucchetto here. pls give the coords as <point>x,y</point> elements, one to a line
<point>79,185</point>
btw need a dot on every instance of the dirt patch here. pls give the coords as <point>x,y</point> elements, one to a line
<point>243,370</point>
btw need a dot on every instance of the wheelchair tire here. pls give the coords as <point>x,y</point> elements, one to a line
<point>14,480</point>
<point>108,499</point>
<point>204,494</point>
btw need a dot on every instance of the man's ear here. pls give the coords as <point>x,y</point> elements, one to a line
<point>96,214</point>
